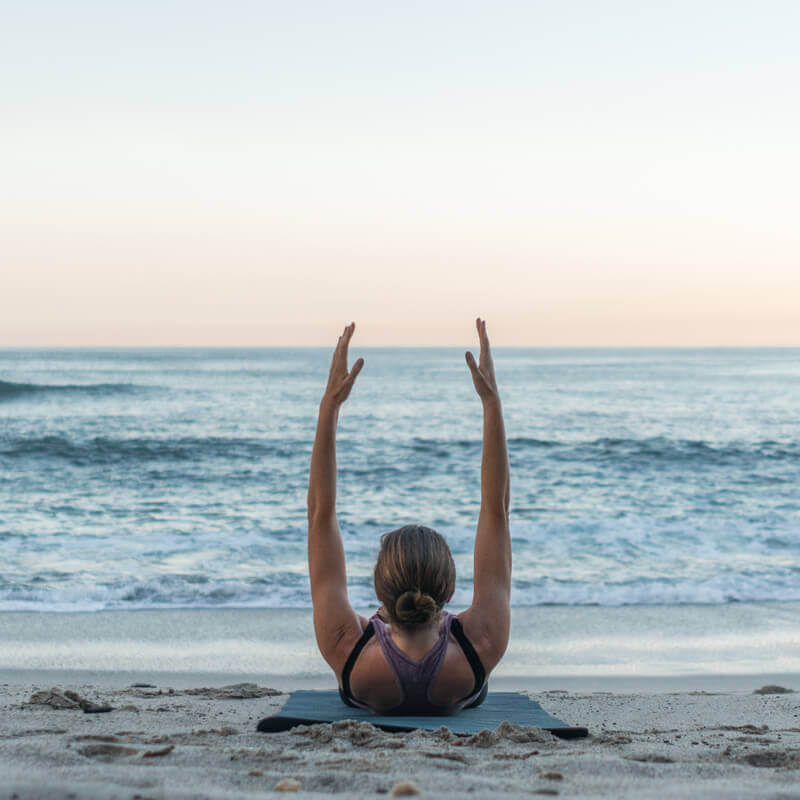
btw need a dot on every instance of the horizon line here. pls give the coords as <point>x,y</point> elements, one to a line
<point>472,345</point>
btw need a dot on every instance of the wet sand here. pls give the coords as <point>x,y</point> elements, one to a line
<point>624,646</point>
<point>192,741</point>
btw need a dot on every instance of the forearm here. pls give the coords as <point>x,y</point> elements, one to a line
<point>495,481</point>
<point>322,477</point>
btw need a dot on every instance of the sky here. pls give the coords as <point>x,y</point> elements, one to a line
<point>261,173</point>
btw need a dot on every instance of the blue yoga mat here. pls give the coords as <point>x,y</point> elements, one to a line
<point>311,707</point>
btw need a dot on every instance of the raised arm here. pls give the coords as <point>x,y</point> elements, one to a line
<point>335,622</point>
<point>489,616</point>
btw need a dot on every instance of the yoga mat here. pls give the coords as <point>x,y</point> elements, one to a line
<point>310,707</point>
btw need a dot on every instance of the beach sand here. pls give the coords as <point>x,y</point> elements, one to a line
<point>196,742</point>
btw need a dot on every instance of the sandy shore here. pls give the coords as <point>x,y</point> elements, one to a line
<point>277,645</point>
<point>202,743</point>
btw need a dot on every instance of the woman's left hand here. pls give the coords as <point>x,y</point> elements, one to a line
<point>340,380</point>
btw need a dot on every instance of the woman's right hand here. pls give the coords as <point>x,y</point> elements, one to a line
<point>483,371</point>
<point>340,379</point>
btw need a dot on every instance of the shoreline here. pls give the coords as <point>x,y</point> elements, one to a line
<point>641,647</point>
<point>591,684</point>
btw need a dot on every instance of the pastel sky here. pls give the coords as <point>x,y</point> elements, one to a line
<point>260,173</point>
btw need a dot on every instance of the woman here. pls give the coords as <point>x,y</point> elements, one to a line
<point>412,657</point>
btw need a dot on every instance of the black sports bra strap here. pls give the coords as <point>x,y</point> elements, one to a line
<point>469,651</point>
<point>351,659</point>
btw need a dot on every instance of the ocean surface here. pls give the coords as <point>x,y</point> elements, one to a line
<point>177,478</point>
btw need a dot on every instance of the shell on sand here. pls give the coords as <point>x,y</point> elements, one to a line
<point>404,789</point>
<point>287,785</point>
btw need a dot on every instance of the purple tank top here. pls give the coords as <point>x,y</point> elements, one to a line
<point>415,678</point>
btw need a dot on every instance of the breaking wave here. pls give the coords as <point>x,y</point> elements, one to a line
<point>13,391</point>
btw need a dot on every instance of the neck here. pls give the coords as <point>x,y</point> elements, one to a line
<point>417,641</point>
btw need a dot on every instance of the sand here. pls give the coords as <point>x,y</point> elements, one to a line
<point>201,742</point>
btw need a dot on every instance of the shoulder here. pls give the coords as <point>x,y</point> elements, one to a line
<point>343,641</point>
<point>489,637</point>
<point>372,680</point>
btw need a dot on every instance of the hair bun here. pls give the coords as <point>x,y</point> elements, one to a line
<point>414,608</point>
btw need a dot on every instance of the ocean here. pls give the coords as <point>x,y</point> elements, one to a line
<point>152,505</point>
<point>176,478</point>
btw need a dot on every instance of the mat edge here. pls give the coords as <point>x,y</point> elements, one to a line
<point>278,724</point>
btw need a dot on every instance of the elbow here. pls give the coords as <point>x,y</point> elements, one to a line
<point>316,512</point>
<point>506,496</point>
<point>497,513</point>
<point>318,505</point>
<point>496,501</point>
<point>499,507</point>
<point>319,514</point>
<point>313,513</point>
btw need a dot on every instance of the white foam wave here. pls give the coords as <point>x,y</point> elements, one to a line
<point>632,561</point>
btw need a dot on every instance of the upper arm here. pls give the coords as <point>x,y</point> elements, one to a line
<point>488,619</point>
<point>336,624</point>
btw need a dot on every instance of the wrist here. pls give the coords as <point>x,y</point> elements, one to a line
<point>491,403</point>
<point>328,406</point>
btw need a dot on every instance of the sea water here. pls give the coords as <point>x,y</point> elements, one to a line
<point>152,508</point>
<point>175,478</point>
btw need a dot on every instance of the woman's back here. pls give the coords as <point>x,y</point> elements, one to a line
<point>384,677</point>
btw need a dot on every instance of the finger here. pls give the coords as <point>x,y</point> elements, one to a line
<point>486,350</point>
<point>335,356</point>
<point>471,362</point>
<point>480,325</point>
<point>356,369</point>
<point>341,344</point>
<point>347,385</point>
<point>347,336</point>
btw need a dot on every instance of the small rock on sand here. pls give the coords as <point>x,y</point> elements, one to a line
<point>287,785</point>
<point>772,689</point>
<point>156,753</point>
<point>55,698</point>
<point>773,759</point>
<point>94,708</point>
<point>106,752</point>
<point>236,691</point>
<point>552,776</point>
<point>404,789</point>
<point>652,758</point>
<point>256,773</point>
